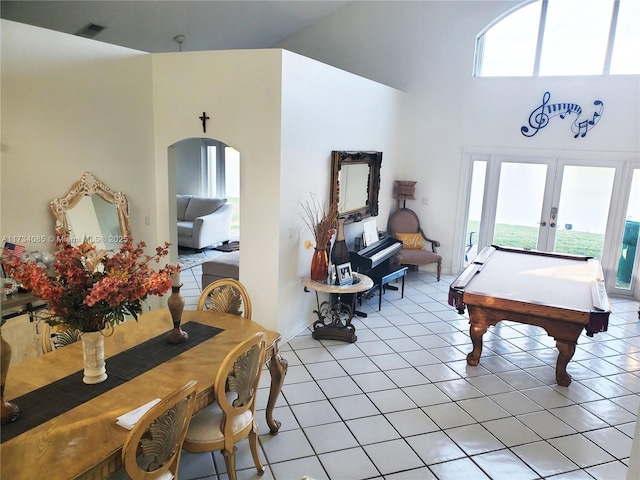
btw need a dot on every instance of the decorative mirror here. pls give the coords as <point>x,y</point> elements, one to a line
<point>93,212</point>
<point>355,181</point>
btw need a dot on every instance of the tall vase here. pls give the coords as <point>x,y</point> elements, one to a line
<point>319,265</point>
<point>175,304</point>
<point>95,370</point>
<point>340,252</point>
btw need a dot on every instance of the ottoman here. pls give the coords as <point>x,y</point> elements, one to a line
<point>226,265</point>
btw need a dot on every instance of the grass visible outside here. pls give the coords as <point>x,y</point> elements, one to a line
<point>567,241</point>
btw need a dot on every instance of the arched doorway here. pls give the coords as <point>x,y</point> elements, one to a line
<point>206,167</point>
<point>223,177</point>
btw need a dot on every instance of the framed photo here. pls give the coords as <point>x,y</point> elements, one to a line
<point>345,275</point>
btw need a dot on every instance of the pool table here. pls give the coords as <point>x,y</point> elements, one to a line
<point>563,294</point>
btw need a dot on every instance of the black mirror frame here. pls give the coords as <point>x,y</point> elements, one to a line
<point>374,161</point>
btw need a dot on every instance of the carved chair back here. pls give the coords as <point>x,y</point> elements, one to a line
<point>152,449</point>
<point>231,418</point>
<point>405,221</point>
<point>53,338</point>
<point>226,295</point>
<point>237,380</point>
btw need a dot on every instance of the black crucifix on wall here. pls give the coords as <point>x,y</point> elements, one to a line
<point>204,119</point>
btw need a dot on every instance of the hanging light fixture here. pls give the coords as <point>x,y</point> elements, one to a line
<point>179,39</point>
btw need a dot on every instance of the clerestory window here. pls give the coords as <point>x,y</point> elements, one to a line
<point>562,37</point>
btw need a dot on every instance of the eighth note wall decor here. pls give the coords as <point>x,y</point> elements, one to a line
<point>540,117</point>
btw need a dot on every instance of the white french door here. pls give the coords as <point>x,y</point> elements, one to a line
<point>556,205</point>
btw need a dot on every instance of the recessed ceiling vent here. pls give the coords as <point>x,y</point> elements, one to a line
<point>89,31</point>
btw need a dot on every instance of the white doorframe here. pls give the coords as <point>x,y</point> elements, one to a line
<point>623,162</point>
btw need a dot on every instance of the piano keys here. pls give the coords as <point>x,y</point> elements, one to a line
<point>376,255</point>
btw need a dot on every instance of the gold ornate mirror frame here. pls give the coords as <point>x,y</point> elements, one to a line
<point>85,187</point>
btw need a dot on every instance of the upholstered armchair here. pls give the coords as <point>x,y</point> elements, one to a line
<point>203,221</point>
<point>405,225</point>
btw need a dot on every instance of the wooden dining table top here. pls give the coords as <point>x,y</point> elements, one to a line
<point>85,442</point>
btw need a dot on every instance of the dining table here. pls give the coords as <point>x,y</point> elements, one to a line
<point>68,429</point>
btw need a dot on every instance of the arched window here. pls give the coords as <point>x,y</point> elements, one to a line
<point>562,37</point>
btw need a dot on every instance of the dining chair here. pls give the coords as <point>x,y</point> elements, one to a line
<point>404,225</point>
<point>231,417</point>
<point>57,336</point>
<point>152,449</point>
<point>226,295</point>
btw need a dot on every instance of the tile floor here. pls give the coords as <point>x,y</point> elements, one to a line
<point>401,402</point>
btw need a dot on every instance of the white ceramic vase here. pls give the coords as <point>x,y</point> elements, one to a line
<point>93,351</point>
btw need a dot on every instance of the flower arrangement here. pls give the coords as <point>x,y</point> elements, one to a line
<point>92,290</point>
<point>320,217</point>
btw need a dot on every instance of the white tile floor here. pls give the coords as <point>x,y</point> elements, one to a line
<point>401,402</point>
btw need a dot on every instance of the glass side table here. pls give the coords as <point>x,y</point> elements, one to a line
<point>334,320</point>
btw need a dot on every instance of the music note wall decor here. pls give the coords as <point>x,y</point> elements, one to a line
<point>540,117</point>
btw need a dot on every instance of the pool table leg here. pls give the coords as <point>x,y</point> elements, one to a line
<point>565,353</point>
<point>476,332</point>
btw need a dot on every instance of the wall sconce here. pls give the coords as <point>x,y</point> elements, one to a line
<point>403,190</point>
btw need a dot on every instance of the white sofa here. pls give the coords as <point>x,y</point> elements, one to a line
<point>203,221</point>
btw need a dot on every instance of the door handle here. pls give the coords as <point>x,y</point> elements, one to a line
<point>554,216</point>
<point>543,224</point>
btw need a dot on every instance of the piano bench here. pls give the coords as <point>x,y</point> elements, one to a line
<point>381,283</point>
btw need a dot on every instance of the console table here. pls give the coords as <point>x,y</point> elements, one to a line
<point>334,321</point>
<point>28,303</point>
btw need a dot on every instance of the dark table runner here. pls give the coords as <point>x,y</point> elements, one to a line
<point>45,403</point>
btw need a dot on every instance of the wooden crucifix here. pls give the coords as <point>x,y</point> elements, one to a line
<point>204,119</point>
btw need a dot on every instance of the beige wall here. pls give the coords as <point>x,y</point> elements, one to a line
<point>240,91</point>
<point>285,114</point>
<point>71,104</point>
<point>324,109</point>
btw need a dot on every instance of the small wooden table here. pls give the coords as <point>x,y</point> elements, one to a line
<point>85,442</point>
<point>564,294</point>
<point>334,321</point>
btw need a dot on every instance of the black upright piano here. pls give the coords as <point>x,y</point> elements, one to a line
<point>375,262</point>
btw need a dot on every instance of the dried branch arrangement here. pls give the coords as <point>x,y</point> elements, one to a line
<point>320,217</point>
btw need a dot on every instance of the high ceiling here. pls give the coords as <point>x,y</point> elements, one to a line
<point>151,25</point>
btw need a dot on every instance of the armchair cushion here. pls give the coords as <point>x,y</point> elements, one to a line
<point>414,256</point>
<point>185,229</point>
<point>200,206</point>
<point>182,203</point>
<point>411,241</point>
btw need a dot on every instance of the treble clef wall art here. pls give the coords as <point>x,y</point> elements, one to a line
<point>540,117</point>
